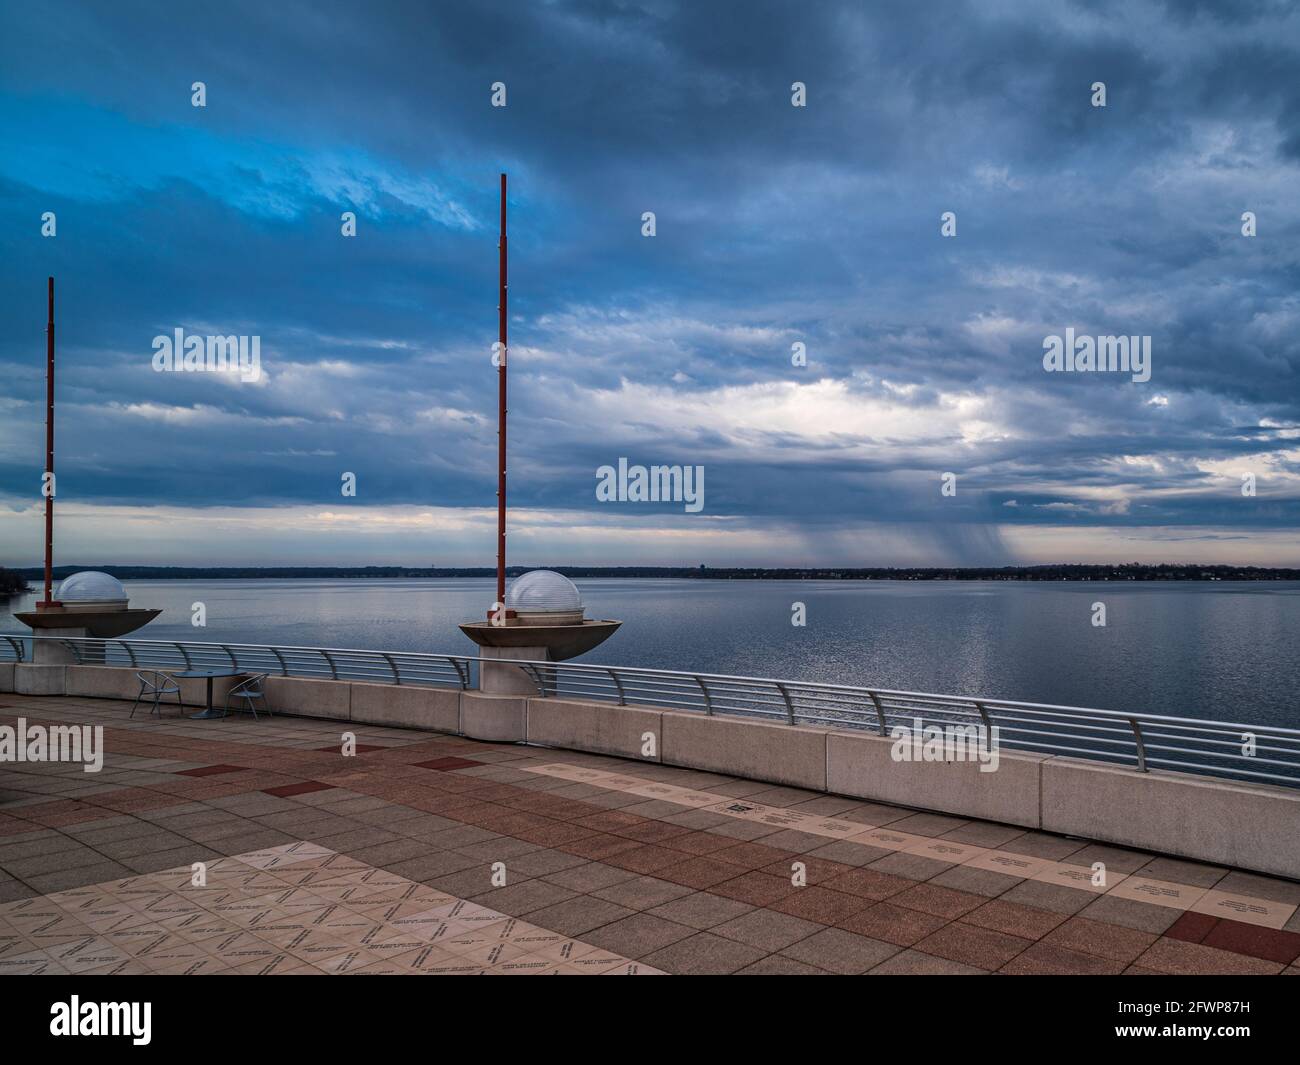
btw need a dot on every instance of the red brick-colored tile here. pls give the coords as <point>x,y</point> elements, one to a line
<point>446,764</point>
<point>211,770</point>
<point>1191,927</point>
<point>1267,943</point>
<point>286,791</point>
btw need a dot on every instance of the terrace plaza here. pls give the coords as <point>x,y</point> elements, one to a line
<point>433,853</point>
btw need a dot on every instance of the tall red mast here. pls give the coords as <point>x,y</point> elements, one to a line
<point>501,412</point>
<point>49,451</point>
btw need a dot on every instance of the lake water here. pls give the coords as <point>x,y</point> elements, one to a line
<point>1219,650</point>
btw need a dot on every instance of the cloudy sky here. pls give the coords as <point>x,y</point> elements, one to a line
<point>775,225</point>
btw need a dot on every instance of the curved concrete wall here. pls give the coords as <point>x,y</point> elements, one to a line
<point>1249,826</point>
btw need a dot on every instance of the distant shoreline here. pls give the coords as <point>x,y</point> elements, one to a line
<point>1127,572</point>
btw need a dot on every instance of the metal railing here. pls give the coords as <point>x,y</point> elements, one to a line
<point>322,663</point>
<point>1146,741</point>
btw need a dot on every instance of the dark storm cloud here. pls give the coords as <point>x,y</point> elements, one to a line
<point>776,225</point>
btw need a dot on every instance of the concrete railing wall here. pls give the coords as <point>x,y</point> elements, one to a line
<point>1249,826</point>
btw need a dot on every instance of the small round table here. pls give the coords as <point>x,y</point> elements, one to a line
<point>208,675</point>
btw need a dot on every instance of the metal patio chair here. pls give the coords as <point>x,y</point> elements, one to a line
<point>153,683</point>
<point>250,691</point>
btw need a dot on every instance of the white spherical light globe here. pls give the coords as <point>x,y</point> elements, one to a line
<point>91,586</point>
<point>543,591</point>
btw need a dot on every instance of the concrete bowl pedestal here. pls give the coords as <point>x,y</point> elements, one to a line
<point>44,674</point>
<point>505,679</point>
<point>528,643</point>
<point>104,624</point>
<point>48,652</point>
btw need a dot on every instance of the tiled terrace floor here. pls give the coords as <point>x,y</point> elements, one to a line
<point>385,862</point>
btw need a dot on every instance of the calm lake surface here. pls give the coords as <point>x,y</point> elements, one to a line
<point>1222,650</point>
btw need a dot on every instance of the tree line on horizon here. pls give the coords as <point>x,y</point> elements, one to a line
<point>15,580</point>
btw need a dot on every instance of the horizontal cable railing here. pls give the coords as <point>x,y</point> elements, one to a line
<point>1263,753</point>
